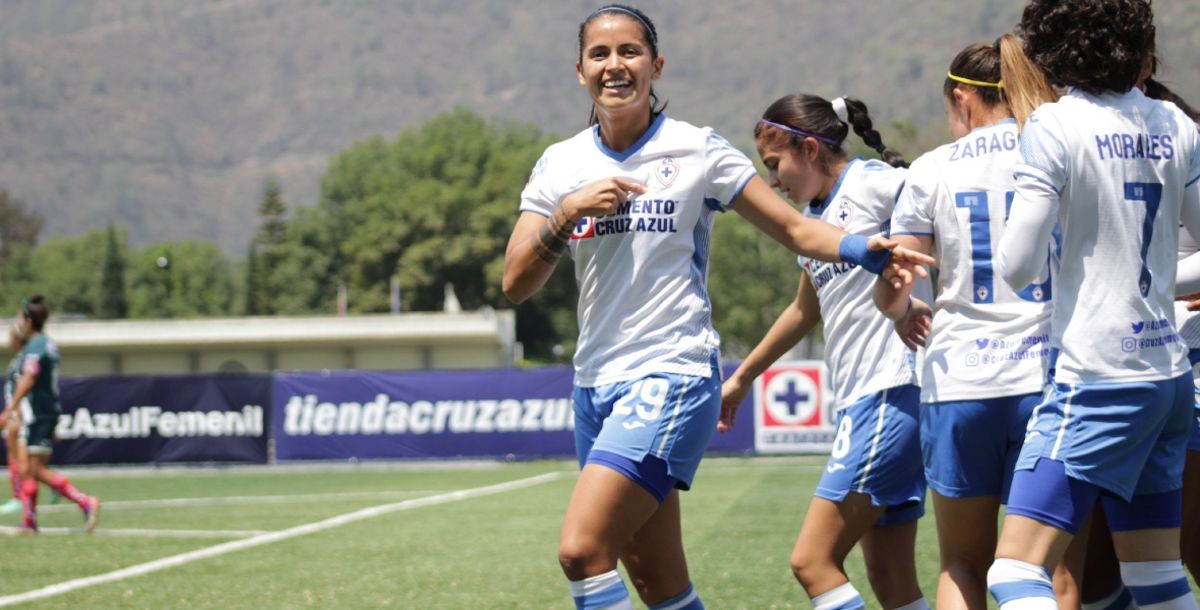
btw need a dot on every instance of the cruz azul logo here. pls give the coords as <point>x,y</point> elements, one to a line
<point>790,409</point>
<point>585,228</point>
<point>666,172</point>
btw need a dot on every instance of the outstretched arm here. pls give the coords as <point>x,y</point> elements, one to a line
<point>810,237</point>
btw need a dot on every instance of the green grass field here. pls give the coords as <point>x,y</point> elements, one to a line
<point>394,536</point>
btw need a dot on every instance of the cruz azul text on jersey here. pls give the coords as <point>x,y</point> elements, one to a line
<point>633,216</point>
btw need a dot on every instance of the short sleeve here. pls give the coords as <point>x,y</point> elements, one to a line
<point>727,170</point>
<point>914,208</point>
<point>1043,151</point>
<point>538,196</point>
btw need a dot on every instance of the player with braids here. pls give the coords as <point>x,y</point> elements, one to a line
<point>38,381</point>
<point>873,490</point>
<point>634,197</point>
<point>987,343</point>
<point>1117,414</point>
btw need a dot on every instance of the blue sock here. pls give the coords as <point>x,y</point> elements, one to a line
<point>688,600</point>
<point>604,592</point>
<point>1158,585</point>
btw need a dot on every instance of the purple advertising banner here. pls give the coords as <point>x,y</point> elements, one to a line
<point>114,420</point>
<point>512,413</point>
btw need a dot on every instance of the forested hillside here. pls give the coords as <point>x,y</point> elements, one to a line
<point>166,117</point>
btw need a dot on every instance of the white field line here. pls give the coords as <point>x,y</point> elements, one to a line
<point>243,500</point>
<point>301,530</point>
<point>140,533</point>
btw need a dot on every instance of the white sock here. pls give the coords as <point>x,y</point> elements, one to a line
<point>603,592</point>
<point>1119,599</point>
<point>845,597</point>
<point>1158,585</point>
<point>919,604</point>
<point>1018,585</point>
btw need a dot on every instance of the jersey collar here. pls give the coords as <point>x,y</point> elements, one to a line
<point>818,206</point>
<point>637,146</point>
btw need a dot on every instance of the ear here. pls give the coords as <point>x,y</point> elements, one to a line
<point>658,68</point>
<point>579,73</point>
<point>959,96</point>
<point>812,150</point>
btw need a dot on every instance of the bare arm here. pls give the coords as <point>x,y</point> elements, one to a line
<point>796,321</point>
<point>893,288</point>
<point>537,242</point>
<point>810,237</point>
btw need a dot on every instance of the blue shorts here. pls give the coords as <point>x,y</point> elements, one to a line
<point>970,447</point>
<point>877,452</point>
<point>1128,439</point>
<point>668,416</point>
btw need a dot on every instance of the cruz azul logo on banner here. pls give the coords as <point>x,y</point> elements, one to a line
<point>791,413</point>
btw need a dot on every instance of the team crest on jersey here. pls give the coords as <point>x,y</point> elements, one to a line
<point>666,172</point>
<point>844,214</point>
<point>585,228</point>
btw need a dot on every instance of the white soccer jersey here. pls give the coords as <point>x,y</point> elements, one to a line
<point>987,339</point>
<point>1119,163</point>
<point>642,272</point>
<point>862,352</point>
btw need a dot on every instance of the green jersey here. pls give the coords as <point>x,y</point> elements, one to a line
<point>41,359</point>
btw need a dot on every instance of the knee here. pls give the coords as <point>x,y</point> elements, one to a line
<point>576,556</point>
<point>807,566</point>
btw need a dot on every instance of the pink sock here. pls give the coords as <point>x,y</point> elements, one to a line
<point>29,493</point>
<point>60,484</point>
<point>14,477</point>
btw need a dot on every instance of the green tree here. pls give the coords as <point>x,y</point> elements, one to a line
<point>436,205</point>
<point>751,279</point>
<point>114,302</point>
<point>184,279</point>
<point>267,252</point>
<point>67,270</point>
<point>250,303</point>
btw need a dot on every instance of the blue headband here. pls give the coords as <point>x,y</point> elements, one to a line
<point>613,8</point>
<point>800,132</point>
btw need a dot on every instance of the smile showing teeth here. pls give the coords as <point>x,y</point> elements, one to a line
<point>616,83</point>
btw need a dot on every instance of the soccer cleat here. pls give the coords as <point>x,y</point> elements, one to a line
<point>91,514</point>
<point>10,507</point>
<point>27,530</point>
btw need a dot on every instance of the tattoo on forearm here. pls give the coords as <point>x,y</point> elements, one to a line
<point>553,237</point>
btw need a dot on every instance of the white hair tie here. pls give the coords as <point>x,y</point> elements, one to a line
<point>839,108</point>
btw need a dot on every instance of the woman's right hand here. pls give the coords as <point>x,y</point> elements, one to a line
<point>602,197</point>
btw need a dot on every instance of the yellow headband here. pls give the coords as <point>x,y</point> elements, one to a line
<point>978,83</point>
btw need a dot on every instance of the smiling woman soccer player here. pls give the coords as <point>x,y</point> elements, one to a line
<point>647,393</point>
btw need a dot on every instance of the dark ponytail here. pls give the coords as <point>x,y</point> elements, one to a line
<point>799,115</point>
<point>34,310</point>
<point>860,120</point>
